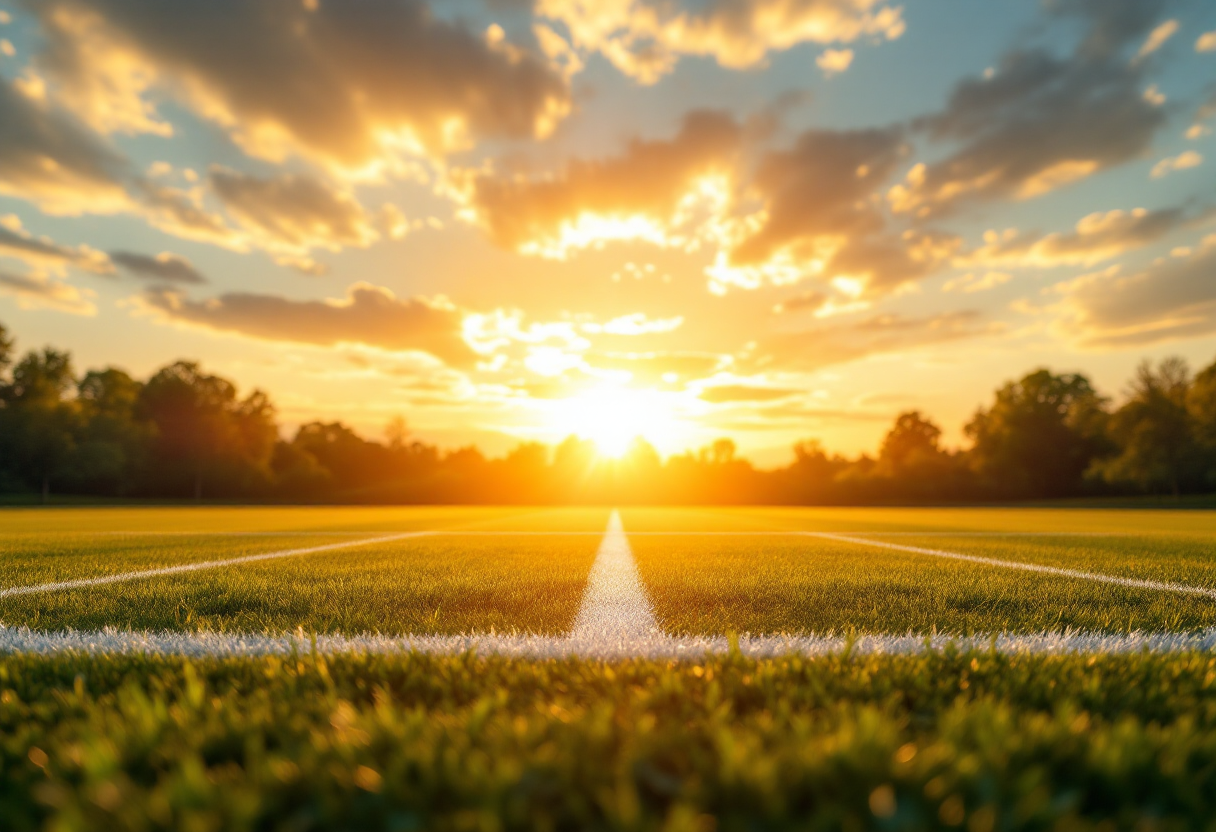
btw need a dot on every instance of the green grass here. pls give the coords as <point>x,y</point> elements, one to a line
<point>699,583</point>
<point>423,585</point>
<point>799,584</point>
<point>971,741</point>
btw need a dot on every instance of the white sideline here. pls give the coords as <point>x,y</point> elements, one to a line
<point>593,646</point>
<point>136,575</point>
<point>587,533</point>
<point>1136,583</point>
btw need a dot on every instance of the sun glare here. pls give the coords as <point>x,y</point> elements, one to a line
<point>613,417</point>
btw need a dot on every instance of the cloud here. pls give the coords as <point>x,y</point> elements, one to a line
<point>165,267</point>
<point>655,367</point>
<point>1100,236</point>
<point>1184,160</point>
<point>1157,38</point>
<point>37,291</point>
<point>292,213</point>
<point>1173,298</point>
<point>636,324</point>
<point>1206,42</point>
<point>43,252</point>
<point>735,393</point>
<point>48,158</point>
<point>821,218</point>
<point>638,195</point>
<point>809,301</point>
<point>1041,122</point>
<point>645,38</point>
<point>824,346</point>
<point>833,61</point>
<point>970,284</point>
<point>368,315</point>
<point>350,84</point>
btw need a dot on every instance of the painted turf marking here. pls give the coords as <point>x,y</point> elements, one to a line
<point>614,606</point>
<point>122,577</point>
<point>1098,577</point>
<point>656,646</point>
<point>615,620</point>
<point>587,533</point>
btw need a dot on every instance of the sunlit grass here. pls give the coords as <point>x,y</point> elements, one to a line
<point>805,584</point>
<point>970,741</point>
<point>413,585</point>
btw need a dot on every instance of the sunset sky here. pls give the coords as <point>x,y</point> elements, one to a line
<point>767,219</point>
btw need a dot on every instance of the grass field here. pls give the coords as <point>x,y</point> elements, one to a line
<point>952,737</point>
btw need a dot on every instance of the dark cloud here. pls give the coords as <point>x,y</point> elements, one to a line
<point>823,218</point>
<point>36,291</point>
<point>165,267</point>
<point>1174,298</point>
<point>16,242</point>
<point>647,181</point>
<point>369,315</point>
<point>293,211</point>
<point>1096,237</point>
<point>347,82</point>
<point>50,159</point>
<point>1042,121</point>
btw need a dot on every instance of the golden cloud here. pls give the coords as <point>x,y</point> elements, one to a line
<point>368,315</point>
<point>644,194</point>
<point>645,38</point>
<point>353,85</point>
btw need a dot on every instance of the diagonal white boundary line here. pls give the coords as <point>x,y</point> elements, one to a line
<point>1098,577</point>
<point>121,577</point>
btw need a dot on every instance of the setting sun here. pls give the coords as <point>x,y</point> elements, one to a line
<point>614,416</point>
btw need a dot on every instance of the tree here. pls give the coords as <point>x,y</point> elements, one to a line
<point>39,421</point>
<point>1201,405</point>
<point>204,430</point>
<point>1040,436</point>
<point>396,432</point>
<point>1154,431</point>
<point>113,442</point>
<point>6,349</point>
<point>911,439</point>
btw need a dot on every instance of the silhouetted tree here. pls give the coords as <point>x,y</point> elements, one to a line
<point>1157,443</point>
<point>1040,435</point>
<point>1201,406</point>
<point>113,444</point>
<point>203,430</point>
<point>39,422</point>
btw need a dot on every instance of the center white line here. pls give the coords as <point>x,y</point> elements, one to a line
<point>1136,583</point>
<point>139,574</point>
<point>615,606</point>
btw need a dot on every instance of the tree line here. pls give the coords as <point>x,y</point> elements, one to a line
<point>184,433</point>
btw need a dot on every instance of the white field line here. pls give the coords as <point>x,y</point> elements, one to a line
<point>1135,583</point>
<point>139,574</point>
<point>657,646</point>
<point>615,620</point>
<point>587,533</point>
<point>614,607</point>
